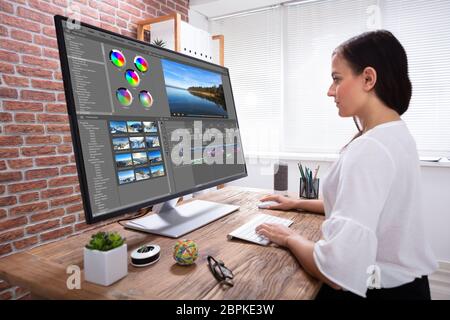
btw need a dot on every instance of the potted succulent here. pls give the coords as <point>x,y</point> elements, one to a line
<point>105,258</point>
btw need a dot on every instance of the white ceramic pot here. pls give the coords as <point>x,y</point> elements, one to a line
<point>105,267</point>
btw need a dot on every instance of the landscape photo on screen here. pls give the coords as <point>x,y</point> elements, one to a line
<point>193,92</point>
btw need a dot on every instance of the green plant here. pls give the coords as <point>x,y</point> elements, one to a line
<point>159,43</point>
<point>105,241</point>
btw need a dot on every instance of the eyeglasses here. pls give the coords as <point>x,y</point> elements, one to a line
<point>220,272</point>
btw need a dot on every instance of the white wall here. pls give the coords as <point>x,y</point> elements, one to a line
<point>436,191</point>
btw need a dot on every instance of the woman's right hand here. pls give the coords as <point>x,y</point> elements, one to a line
<point>284,203</point>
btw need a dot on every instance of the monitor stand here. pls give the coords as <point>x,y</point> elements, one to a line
<point>174,221</point>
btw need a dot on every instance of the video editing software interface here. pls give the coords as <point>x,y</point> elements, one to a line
<point>130,100</point>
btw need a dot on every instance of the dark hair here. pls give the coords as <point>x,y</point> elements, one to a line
<point>382,51</point>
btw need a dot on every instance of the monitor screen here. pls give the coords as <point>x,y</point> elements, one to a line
<point>148,124</point>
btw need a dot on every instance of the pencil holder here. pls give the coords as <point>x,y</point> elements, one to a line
<point>309,190</point>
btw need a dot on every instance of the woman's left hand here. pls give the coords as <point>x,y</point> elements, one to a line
<point>277,233</point>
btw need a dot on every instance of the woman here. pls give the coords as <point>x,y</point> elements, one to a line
<point>371,194</point>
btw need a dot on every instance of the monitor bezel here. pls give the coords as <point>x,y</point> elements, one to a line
<point>76,141</point>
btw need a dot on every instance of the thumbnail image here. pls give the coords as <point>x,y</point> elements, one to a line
<point>126,176</point>
<point>139,158</point>
<point>154,156</point>
<point>157,171</point>
<point>137,142</point>
<point>152,141</point>
<point>194,91</point>
<point>142,173</point>
<point>121,144</point>
<point>150,126</point>
<point>123,160</point>
<point>135,126</point>
<point>118,127</point>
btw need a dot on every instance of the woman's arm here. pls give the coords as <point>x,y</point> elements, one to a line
<point>285,203</point>
<point>300,247</point>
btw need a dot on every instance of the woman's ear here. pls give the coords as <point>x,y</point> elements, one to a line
<point>369,75</point>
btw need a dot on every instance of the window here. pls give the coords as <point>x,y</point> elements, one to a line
<point>280,63</point>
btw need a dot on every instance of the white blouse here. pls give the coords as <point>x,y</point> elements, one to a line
<point>374,213</point>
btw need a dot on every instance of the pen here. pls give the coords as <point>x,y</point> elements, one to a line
<point>301,170</point>
<point>316,171</point>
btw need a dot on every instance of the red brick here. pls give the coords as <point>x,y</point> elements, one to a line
<point>47,215</point>
<point>17,46</point>
<point>38,151</point>
<point>16,81</point>
<point>84,11</point>
<point>49,31</point>
<point>123,15</point>
<point>24,117</point>
<point>107,18</point>
<point>25,186</point>
<point>34,15</point>
<point>106,8</point>
<point>74,208</point>
<point>63,181</point>
<point>10,176</point>
<point>56,233</point>
<point>21,35</point>
<point>131,10</point>
<point>50,53</point>
<point>9,153</point>
<point>67,139</point>
<point>49,193</point>
<point>66,200</point>
<point>19,23</point>
<point>40,62</point>
<point>13,223</point>
<point>109,27</point>
<point>2,167</point>
<point>34,72</point>
<point>57,75</point>
<point>11,141</point>
<point>3,31</point>
<point>50,161</point>
<point>24,243</point>
<point>23,106</point>
<point>28,197</point>
<point>2,191</point>
<point>65,148</point>
<point>24,128</point>
<point>6,68</point>
<point>45,84</point>
<point>44,117</point>
<point>9,56</point>
<point>28,208</point>
<point>37,228</point>
<point>58,128</point>
<point>8,201</point>
<point>5,117</point>
<point>20,163</point>
<point>68,220</point>
<point>46,7</point>
<point>43,140</point>
<point>83,226</point>
<point>137,3</point>
<point>45,41</point>
<point>56,107</point>
<point>11,235</point>
<point>61,97</point>
<point>37,95</point>
<point>6,7</point>
<point>41,173</point>
<point>72,169</point>
<point>8,93</point>
<point>77,188</point>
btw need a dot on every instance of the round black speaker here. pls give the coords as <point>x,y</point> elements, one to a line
<point>280,177</point>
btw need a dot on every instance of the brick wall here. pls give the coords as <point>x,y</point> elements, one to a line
<point>39,192</point>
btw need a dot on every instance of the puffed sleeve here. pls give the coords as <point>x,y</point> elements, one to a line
<point>349,243</point>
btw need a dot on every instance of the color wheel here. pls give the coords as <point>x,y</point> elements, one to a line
<point>117,58</point>
<point>146,99</point>
<point>124,96</point>
<point>141,64</point>
<point>132,78</point>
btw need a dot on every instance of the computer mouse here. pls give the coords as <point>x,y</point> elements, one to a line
<point>266,204</point>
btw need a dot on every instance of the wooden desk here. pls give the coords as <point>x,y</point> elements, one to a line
<point>260,272</point>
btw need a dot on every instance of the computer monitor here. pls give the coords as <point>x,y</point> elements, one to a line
<point>148,125</point>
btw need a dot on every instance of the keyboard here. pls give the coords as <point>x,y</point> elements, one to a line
<point>247,230</point>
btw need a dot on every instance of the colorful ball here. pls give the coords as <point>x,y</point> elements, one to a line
<point>185,252</point>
